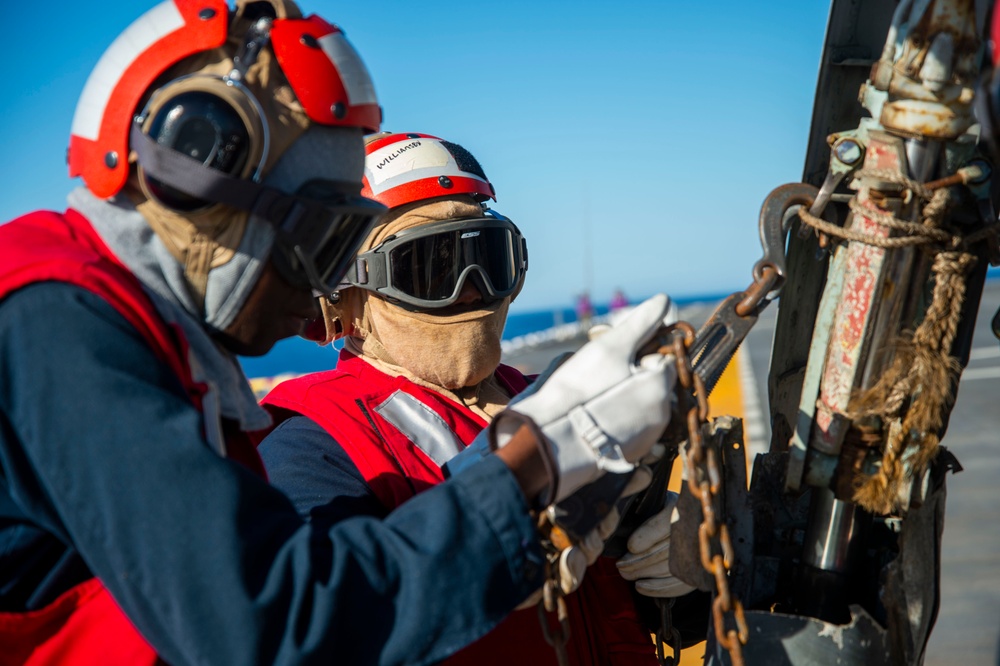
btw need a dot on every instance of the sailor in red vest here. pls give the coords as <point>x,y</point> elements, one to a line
<point>221,157</point>
<point>421,316</point>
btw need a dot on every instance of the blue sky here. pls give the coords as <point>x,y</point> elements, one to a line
<point>632,142</point>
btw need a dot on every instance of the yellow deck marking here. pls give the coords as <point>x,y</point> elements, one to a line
<point>726,398</point>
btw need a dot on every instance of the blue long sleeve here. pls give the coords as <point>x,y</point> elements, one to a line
<point>104,470</point>
<point>315,472</point>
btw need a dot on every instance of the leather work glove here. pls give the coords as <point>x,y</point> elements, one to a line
<point>601,410</point>
<point>648,559</point>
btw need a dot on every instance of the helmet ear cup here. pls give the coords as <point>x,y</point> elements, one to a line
<point>218,127</point>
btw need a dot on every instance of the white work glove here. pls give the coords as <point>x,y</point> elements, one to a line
<point>600,411</point>
<point>648,561</point>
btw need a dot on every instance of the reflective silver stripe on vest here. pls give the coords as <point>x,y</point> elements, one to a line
<point>421,425</point>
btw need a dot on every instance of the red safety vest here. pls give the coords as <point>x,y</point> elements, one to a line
<point>398,434</point>
<point>84,626</point>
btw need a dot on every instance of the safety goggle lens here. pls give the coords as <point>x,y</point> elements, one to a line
<point>332,258</point>
<point>429,268</point>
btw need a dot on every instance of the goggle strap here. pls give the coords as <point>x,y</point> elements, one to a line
<point>195,179</point>
<point>282,210</point>
<point>369,271</point>
<point>360,272</point>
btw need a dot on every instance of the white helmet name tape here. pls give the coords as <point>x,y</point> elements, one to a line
<point>395,163</point>
<point>402,168</point>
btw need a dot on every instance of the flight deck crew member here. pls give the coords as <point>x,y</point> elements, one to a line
<point>421,315</point>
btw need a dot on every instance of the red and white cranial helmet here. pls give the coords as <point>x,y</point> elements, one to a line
<point>404,168</point>
<point>206,102</point>
<point>325,73</point>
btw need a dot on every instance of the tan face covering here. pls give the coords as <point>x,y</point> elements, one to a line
<point>452,352</point>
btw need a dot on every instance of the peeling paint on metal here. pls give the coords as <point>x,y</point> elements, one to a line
<point>834,632</point>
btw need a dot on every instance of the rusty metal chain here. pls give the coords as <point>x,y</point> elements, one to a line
<point>714,543</point>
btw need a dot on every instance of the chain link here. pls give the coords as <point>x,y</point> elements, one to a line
<point>713,536</point>
<point>667,634</point>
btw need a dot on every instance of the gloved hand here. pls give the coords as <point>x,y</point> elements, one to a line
<point>601,411</point>
<point>648,561</point>
<point>573,561</point>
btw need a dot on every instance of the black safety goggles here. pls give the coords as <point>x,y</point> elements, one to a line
<point>426,267</point>
<point>318,232</point>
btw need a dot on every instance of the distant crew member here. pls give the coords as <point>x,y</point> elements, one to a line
<point>618,301</point>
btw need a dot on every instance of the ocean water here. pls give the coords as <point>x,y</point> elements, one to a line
<point>299,356</point>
